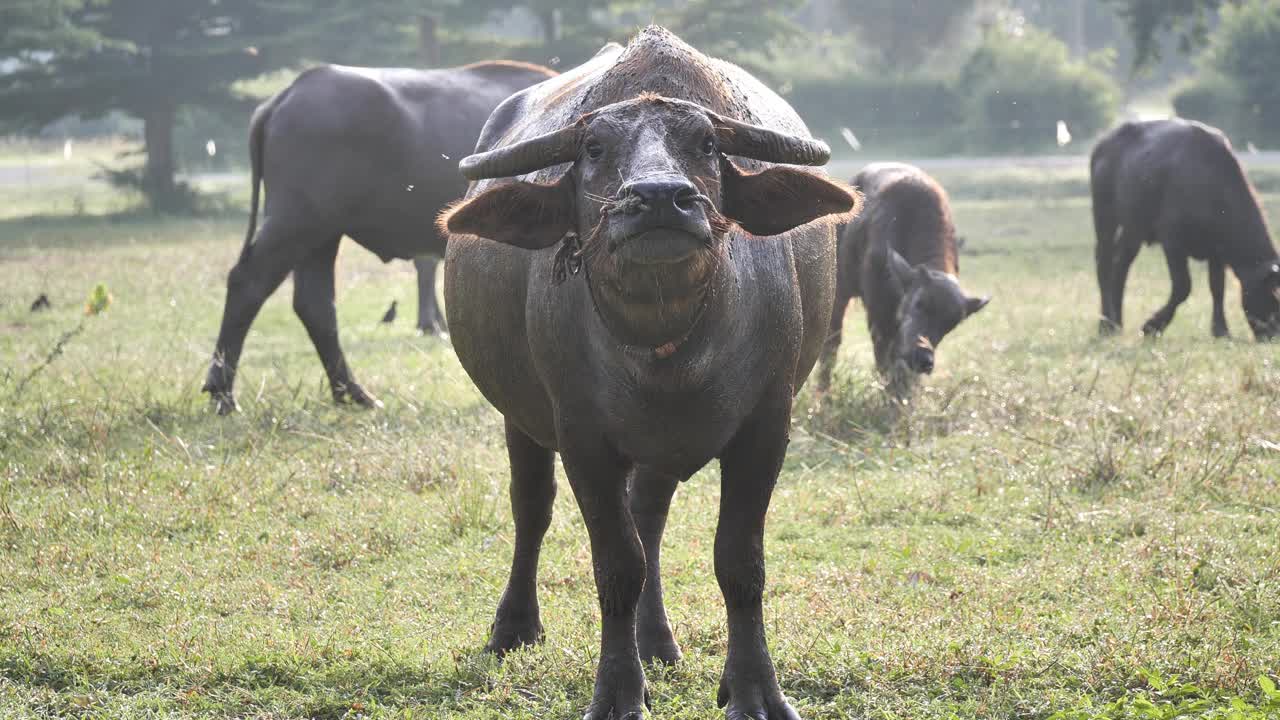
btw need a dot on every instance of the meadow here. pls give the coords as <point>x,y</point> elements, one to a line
<point>1061,527</point>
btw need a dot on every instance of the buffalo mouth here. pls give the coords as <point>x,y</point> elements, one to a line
<point>659,246</point>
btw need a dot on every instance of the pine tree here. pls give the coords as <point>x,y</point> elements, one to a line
<point>149,58</point>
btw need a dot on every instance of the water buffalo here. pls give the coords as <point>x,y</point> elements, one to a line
<point>900,257</point>
<point>637,282</point>
<point>1177,183</point>
<point>364,152</point>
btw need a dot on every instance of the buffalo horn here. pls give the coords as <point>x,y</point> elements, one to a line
<point>752,141</point>
<point>561,146</point>
<point>544,151</point>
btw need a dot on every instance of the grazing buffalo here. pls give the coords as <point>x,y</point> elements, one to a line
<point>900,257</point>
<point>637,282</point>
<point>363,152</point>
<point>1178,183</point>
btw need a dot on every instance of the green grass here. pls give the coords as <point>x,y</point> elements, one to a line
<point>1064,527</point>
<point>37,179</point>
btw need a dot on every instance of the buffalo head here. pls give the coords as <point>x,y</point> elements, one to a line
<point>1261,297</point>
<point>650,198</point>
<point>932,305</point>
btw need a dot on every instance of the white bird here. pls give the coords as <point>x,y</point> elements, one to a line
<point>850,138</point>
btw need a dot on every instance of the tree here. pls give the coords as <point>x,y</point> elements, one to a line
<point>1148,20</point>
<point>572,30</point>
<point>905,33</point>
<point>1236,87</point>
<point>150,58</point>
<point>735,29</point>
<point>1085,25</point>
<point>568,30</point>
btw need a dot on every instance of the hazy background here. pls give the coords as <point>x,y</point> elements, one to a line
<point>147,94</point>
<point>1062,527</point>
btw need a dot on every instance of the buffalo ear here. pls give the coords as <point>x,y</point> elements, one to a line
<point>900,268</point>
<point>526,215</point>
<point>973,305</point>
<point>782,198</point>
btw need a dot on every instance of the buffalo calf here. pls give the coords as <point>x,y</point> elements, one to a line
<point>900,257</point>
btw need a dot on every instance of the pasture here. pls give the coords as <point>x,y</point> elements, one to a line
<point>1063,527</point>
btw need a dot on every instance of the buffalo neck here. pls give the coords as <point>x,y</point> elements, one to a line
<point>682,355</point>
<point>1252,249</point>
<point>1249,243</point>
<point>882,294</point>
<point>653,307</point>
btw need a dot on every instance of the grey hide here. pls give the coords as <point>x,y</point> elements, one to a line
<point>370,153</point>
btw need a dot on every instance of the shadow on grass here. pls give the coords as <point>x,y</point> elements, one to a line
<point>321,687</point>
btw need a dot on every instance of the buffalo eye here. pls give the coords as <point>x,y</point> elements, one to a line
<point>709,145</point>
<point>594,150</point>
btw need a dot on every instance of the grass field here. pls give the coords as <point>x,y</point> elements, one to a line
<point>1064,527</point>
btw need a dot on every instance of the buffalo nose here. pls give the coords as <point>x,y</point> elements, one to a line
<point>659,194</point>
<point>922,360</point>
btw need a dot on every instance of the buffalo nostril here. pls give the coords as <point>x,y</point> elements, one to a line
<point>686,198</point>
<point>659,194</point>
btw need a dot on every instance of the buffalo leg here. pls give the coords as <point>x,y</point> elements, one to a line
<point>749,470</point>
<point>1217,286</point>
<point>599,480</point>
<point>1180,274</point>
<point>650,500</point>
<point>1107,230</point>
<point>313,297</point>
<point>1103,253</point>
<point>533,491</point>
<point>1122,256</point>
<point>835,334</point>
<point>430,319</point>
<point>261,268</point>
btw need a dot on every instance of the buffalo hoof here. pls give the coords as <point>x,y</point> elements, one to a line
<point>433,324</point>
<point>658,646</point>
<point>434,329</point>
<point>1107,328</point>
<point>1221,332</point>
<point>222,401</point>
<point>434,333</point>
<point>511,636</point>
<point>900,386</point>
<point>1152,330</point>
<point>761,702</point>
<point>620,692</point>
<point>355,395</point>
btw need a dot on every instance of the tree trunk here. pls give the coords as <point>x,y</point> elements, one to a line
<point>1079,41</point>
<point>157,179</point>
<point>428,41</point>
<point>550,27</point>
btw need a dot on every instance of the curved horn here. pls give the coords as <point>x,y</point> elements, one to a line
<point>560,146</point>
<point>757,143</point>
<point>544,151</point>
